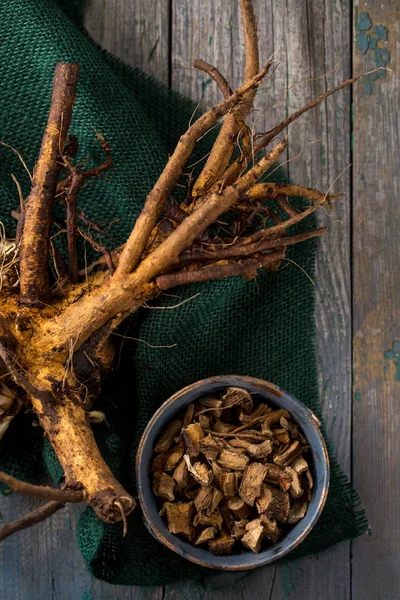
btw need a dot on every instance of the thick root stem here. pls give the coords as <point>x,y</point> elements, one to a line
<point>67,425</point>
<point>34,286</point>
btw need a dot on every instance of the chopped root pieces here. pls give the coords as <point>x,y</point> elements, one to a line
<point>167,439</point>
<point>231,473</point>
<point>192,436</point>
<point>297,511</point>
<point>279,505</point>
<point>203,499</point>
<point>295,486</point>
<point>200,472</point>
<point>250,487</point>
<point>278,476</point>
<point>209,447</point>
<point>260,450</point>
<point>233,460</point>
<point>181,474</point>
<point>271,528</point>
<point>206,535</point>
<point>287,456</point>
<point>238,507</point>
<point>163,486</point>
<point>173,457</point>
<point>222,545</point>
<point>239,529</point>
<point>180,519</point>
<point>229,484</point>
<point>254,535</point>
<point>215,519</point>
<point>238,397</point>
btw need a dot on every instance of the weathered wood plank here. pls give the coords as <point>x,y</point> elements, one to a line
<point>313,38</point>
<point>137,32</point>
<point>323,48</point>
<point>376,259</point>
<point>45,562</point>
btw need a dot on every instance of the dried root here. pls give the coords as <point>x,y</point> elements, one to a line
<point>52,342</point>
<point>222,491</point>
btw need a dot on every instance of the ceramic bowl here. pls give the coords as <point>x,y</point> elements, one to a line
<point>263,391</point>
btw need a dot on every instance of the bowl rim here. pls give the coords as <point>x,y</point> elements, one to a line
<point>301,414</point>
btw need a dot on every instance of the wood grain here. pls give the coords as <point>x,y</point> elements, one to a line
<point>314,38</point>
<point>376,308</point>
<point>45,562</point>
<point>137,32</point>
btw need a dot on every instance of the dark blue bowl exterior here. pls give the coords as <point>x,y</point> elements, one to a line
<point>265,391</point>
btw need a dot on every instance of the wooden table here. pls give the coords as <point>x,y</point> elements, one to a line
<point>349,144</point>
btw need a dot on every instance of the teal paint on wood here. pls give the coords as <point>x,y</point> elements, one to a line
<point>362,41</point>
<point>394,354</point>
<point>375,440</point>
<point>371,38</point>
<point>381,32</point>
<point>153,50</point>
<point>323,154</point>
<point>204,85</point>
<point>364,23</point>
<point>290,578</point>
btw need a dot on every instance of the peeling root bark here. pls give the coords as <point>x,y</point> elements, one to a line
<point>34,274</point>
<point>67,425</point>
<point>63,415</point>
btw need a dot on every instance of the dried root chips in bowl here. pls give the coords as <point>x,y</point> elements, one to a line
<point>232,472</point>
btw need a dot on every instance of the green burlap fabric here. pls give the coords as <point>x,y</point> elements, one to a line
<point>263,328</point>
